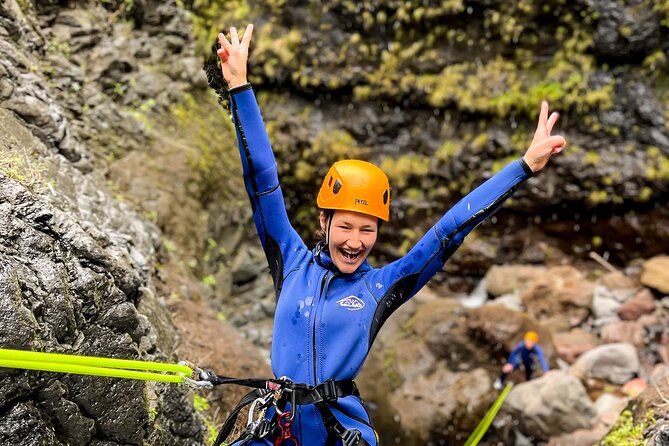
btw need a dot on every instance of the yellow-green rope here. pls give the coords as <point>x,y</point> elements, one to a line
<point>92,365</point>
<point>485,423</point>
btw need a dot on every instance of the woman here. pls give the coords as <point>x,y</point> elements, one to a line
<point>331,302</point>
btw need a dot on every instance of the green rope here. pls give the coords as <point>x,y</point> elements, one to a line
<point>485,423</point>
<point>92,365</point>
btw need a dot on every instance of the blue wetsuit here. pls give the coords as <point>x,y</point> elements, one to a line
<point>326,321</point>
<point>522,355</point>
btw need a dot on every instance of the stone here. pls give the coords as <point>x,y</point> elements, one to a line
<point>615,363</point>
<point>656,274</point>
<point>642,303</point>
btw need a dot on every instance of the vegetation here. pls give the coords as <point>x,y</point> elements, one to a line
<point>20,165</point>
<point>626,432</point>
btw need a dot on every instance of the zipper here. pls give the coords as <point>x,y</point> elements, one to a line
<point>325,283</point>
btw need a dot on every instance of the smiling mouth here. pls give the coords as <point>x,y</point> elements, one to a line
<point>351,256</point>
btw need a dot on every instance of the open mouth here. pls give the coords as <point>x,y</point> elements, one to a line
<point>350,255</point>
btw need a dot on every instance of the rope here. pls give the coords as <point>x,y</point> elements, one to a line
<point>93,365</point>
<point>484,424</point>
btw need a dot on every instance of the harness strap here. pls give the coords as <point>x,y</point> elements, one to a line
<point>328,391</point>
<point>349,437</point>
<point>232,418</point>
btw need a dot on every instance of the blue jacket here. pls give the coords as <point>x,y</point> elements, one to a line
<point>326,321</point>
<point>521,354</point>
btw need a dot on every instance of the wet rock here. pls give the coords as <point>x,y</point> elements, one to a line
<point>580,437</point>
<point>642,303</point>
<point>506,279</point>
<point>631,332</point>
<point>539,406</point>
<point>656,274</point>
<point>609,407</point>
<point>453,399</point>
<point>615,363</point>
<point>24,424</point>
<point>561,297</point>
<point>570,345</point>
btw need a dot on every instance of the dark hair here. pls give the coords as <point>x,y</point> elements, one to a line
<point>319,234</point>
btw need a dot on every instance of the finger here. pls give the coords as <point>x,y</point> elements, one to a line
<point>224,42</point>
<point>552,119</point>
<point>234,38</point>
<point>246,40</point>
<point>552,142</point>
<point>222,54</point>
<point>543,114</point>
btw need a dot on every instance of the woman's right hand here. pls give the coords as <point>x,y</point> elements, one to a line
<point>234,55</point>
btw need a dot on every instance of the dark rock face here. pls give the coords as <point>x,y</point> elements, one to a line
<point>77,267</point>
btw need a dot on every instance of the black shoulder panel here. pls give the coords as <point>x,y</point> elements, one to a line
<point>391,301</point>
<point>275,261</point>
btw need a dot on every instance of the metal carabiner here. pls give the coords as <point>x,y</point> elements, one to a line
<point>263,400</point>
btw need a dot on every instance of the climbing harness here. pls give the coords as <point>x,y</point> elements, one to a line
<point>484,424</point>
<point>273,393</point>
<point>277,394</point>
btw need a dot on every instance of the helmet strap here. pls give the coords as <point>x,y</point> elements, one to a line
<point>327,233</point>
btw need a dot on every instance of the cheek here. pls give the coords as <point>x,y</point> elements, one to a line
<point>370,241</point>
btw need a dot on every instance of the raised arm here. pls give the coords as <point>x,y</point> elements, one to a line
<point>411,272</point>
<point>281,243</point>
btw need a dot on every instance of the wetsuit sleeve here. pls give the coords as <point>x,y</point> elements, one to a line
<point>540,357</point>
<point>403,278</point>
<point>280,241</point>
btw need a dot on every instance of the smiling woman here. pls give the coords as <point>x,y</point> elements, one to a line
<point>331,302</point>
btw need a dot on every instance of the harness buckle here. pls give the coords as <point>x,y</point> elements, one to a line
<point>351,437</point>
<point>329,390</point>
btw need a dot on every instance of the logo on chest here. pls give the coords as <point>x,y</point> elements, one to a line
<point>351,303</point>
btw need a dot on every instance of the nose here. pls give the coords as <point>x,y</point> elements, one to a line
<point>355,243</point>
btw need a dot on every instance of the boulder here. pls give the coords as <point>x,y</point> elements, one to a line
<point>615,363</point>
<point>642,303</point>
<point>539,406</point>
<point>570,345</point>
<point>656,274</point>
<point>631,332</point>
<point>506,279</point>
<point>561,296</point>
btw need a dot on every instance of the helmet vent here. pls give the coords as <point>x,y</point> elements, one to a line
<point>330,182</point>
<point>337,187</point>
<point>385,197</point>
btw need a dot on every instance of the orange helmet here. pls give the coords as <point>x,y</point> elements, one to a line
<point>532,336</point>
<point>354,185</point>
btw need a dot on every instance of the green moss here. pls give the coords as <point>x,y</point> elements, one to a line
<point>400,170</point>
<point>591,157</point>
<point>626,432</point>
<point>21,165</point>
<point>213,149</point>
<point>201,405</point>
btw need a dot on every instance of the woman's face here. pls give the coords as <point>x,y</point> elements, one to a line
<point>352,236</point>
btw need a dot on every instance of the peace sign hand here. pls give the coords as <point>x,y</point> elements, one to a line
<point>234,56</point>
<point>543,144</point>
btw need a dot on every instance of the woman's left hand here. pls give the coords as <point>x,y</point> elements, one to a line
<point>543,144</point>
